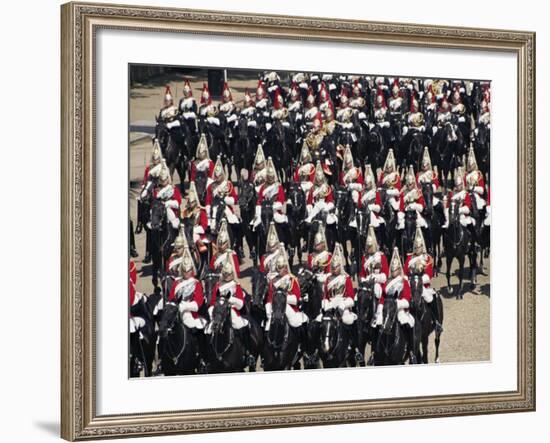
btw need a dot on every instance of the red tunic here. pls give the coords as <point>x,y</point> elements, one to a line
<point>210,196</point>
<point>198,294</point>
<point>384,268</point>
<point>428,270</point>
<point>175,196</point>
<point>279,197</point>
<point>132,283</point>
<point>235,263</point>
<point>434,178</point>
<point>465,202</point>
<point>358,180</point>
<point>405,293</point>
<point>419,200</point>
<point>294,290</point>
<point>328,199</point>
<point>327,267</point>
<point>238,293</point>
<point>194,170</point>
<point>397,184</point>
<point>348,291</point>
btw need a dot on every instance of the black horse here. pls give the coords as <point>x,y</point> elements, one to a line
<point>435,218</point>
<point>312,295</point>
<point>423,316</point>
<point>162,237</point>
<point>345,210</point>
<point>456,241</point>
<point>279,147</point>
<point>143,341</point>
<point>482,147</point>
<point>296,213</point>
<point>333,340</point>
<point>407,236</point>
<point>257,299</point>
<point>366,306</point>
<point>226,351</point>
<point>391,345</point>
<point>377,146</point>
<point>282,340</point>
<point>449,145</point>
<point>390,235</point>
<point>178,346</point>
<point>247,204</point>
<point>173,146</point>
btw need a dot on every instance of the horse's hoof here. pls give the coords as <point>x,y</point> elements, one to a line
<point>450,290</point>
<point>437,360</point>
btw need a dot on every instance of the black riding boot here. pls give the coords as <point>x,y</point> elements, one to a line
<point>410,341</point>
<point>133,252</point>
<point>237,229</point>
<point>354,339</point>
<point>245,337</point>
<point>434,308</point>
<point>202,346</point>
<point>148,257</point>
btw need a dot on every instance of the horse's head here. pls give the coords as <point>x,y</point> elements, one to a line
<point>305,279</point>
<point>221,315</point>
<point>266,214</point>
<point>389,315</point>
<point>158,215</point>
<point>279,306</point>
<point>365,299</point>
<point>428,194</point>
<point>417,288</point>
<point>297,199</point>
<point>247,196</point>
<point>259,289</point>
<point>329,331</point>
<point>168,318</point>
<point>278,328</point>
<point>410,223</point>
<point>209,280</point>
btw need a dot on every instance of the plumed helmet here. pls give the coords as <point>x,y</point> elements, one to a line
<point>369,176</point>
<point>281,262</point>
<point>187,263</point>
<point>319,174</point>
<point>323,93</point>
<point>348,158</point>
<point>259,159</point>
<point>356,88</point>
<point>344,97</point>
<point>206,98</point>
<point>279,102</point>
<point>389,164</point>
<point>310,99</point>
<point>226,94</point>
<point>248,100</point>
<point>371,244</point>
<point>202,148</point>
<point>338,260</point>
<point>168,95</point>
<point>164,175</point>
<point>419,246</point>
<point>260,90</point>
<point>294,92</point>
<point>395,89</point>
<point>192,195</point>
<point>228,269</point>
<point>426,160</point>
<point>396,268</point>
<point>181,239</point>
<point>414,103</point>
<point>272,238</point>
<point>223,240</point>
<point>459,178</point>
<point>410,178</point>
<point>187,90</point>
<point>444,106</point>
<point>156,154</point>
<point>329,111</point>
<point>471,163</point>
<point>219,173</point>
<point>380,101</point>
<point>270,173</point>
<point>272,76</point>
<point>320,237</point>
<point>318,121</point>
<point>305,155</point>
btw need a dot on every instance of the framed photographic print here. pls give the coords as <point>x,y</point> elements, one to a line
<point>281,221</point>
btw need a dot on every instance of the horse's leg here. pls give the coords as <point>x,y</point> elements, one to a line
<point>425,349</point>
<point>461,260</point>
<point>449,261</point>
<point>437,341</point>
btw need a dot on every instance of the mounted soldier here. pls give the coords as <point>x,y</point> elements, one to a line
<point>319,260</point>
<point>271,200</point>
<point>390,180</point>
<point>374,264</point>
<point>339,294</point>
<point>320,198</point>
<point>221,195</point>
<point>396,107</point>
<point>411,199</point>
<point>170,195</point>
<point>429,108</point>
<point>259,168</point>
<point>398,288</point>
<point>311,109</point>
<point>187,293</point>
<point>351,176</point>
<point>202,167</point>
<point>262,109</point>
<point>268,260</point>
<point>229,288</point>
<point>462,197</point>
<point>286,281</point>
<point>414,118</point>
<point>228,115</point>
<point>304,174</point>
<point>194,218</point>
<point>188,108</point>
<point>175,259</point>
<point>223,251</point>
<point>421,263</point>
<point>296,112</point>
<point>474,181</point>
<point>371,199</point>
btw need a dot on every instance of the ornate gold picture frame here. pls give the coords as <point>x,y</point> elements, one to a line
<point>80,22</point>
